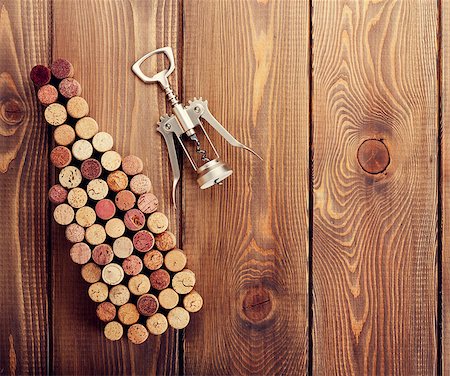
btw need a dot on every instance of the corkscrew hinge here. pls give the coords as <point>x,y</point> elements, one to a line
<point>185,122</point>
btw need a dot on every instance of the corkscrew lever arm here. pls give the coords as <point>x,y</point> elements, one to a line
<point>199,109</point>
<point>169,138</point>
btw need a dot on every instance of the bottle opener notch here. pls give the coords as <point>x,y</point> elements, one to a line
<point>187,121</point>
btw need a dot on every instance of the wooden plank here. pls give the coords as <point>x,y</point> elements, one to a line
<point>375,234</point>
<point>445,181</point>
<point>103,39</point>
<point>25,42</point>
<point>248,240</point>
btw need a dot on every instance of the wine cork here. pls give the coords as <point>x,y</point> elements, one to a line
<point>106,311</point>
<point>153,260</point>
<point>69,87</point>
<point>157,324</point>
<point>47,94</point>
<point>160,279</point>
<point>60,157</point>
<point>63,214</point>
<point>95,234</point>
<point>143,241</point>
<point>82,150</point>
<point>123,247</point>
<point>86,128</point>
<point>85,216</point>
<point>111,160</point>
<point>105,210</point>
<point>97,189</point>
<point>40,75</point>
<point>119,295</point>
<point>91,273</point>
<point>137,334</point>
<point>125,200</point>
<point>147,305</point>
<point>102,254</point>
<point>139,284</point>
<point>80,253</point>
<point>157,222</point>
<point>62,68</point>
<point>70,177</point>
<point>112,274</point>
<point>98,292</point>
<point>113,331</point>
<point>193,301</point>
<point>175,260</point>
<point>147,203</point>
<point>77,107</point>
<point>57,194</point>
<point>77,197</point>
<point>102,142</point>
<point>91,169</point>
<point>183,282</point>
<point>128,314</point>
<point>178,318</point>
<point>55,114</point>
<point>115,228</point>
<point>117,181</point>
<point>168,298</point>
<point>132,265</point>
<point>74,233</point>
<point>165,241</point>
<point>134,219</point>
<point>140,184</point>
<point>64,135</point>
<point>132,165</point>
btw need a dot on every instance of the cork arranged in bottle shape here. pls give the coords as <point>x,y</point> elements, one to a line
<point>137,276</point>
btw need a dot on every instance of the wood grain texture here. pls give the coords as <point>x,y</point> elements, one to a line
<point>445,183</point>
<point>23,180</point>
<point>375,235</point>
<point>248,240</point>
<point>105,39</point>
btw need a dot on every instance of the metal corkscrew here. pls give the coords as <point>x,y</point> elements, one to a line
<point>187,121</point>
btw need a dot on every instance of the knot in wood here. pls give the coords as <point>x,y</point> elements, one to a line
<point>373,156</point>
<point>11,111</point>
<point>257,304</point>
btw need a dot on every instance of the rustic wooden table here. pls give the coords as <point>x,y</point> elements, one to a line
<point>331,256</point>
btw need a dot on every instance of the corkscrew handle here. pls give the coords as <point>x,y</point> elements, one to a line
<point>161,77</point>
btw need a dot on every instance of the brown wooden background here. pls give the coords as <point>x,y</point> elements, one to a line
<point>308,264</point>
